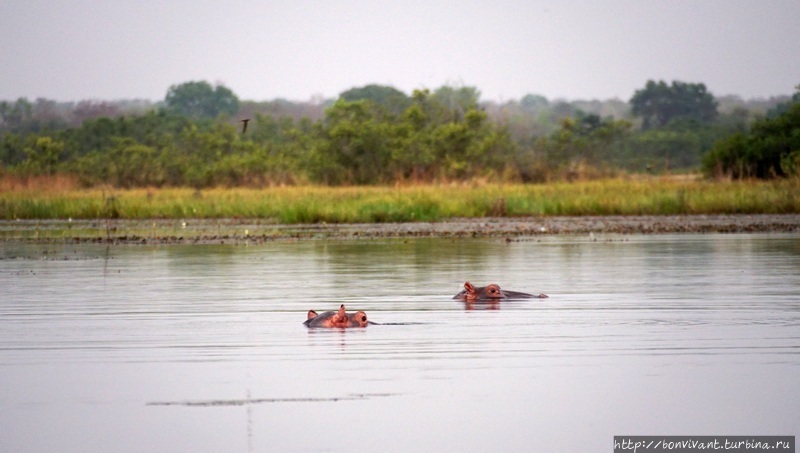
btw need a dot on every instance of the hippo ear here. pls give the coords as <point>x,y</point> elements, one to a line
<point>312,314</point>
<point>340,315</point>
<point>468,286</point>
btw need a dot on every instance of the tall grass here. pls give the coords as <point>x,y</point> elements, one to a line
<point>315,204</point>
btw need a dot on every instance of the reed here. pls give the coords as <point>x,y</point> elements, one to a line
<point>315,204</point>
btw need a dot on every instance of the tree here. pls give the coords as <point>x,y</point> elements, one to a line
<point>534,102</point>
<point>87,110</point>
<point>201,100</point>
<point>13,117</point>
<point>770,149</point>
<point>43,156</point>
<point>783,107</point>
<point>390,98</point>
<point>455,102</point>
<point>658,104</point>
<point>356,145</point>
<point>584,141</point>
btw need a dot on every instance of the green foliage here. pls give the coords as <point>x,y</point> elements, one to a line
<point>658,104</point>
<point>201,100</point>
<point>14,116</point>
<point>790,163</point>
<point>533,102</point>
<point>679,146</point>
<point>360,143</point>
<point>12,150</point>
<point>584,143</point>
<point>391,99</point>
<point>783,107</point>
<point>770,149</point>
<point>42,156</point>
<point>357,141</point>
<point>455,102</point>
<point>378,135</point>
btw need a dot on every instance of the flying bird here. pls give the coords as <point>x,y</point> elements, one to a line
<point>244,125</point>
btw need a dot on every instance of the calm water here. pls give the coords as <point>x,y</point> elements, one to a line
<point>202,348</point>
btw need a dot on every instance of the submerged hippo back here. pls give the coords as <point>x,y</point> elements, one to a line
<point>519,295</point>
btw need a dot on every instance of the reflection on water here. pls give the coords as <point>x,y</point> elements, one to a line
<point>202,348</point>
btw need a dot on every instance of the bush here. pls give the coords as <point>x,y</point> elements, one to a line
<point>769,150</point>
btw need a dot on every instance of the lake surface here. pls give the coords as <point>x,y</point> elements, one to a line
<point>202,347</point>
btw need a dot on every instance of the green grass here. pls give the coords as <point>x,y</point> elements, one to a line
<point>315,204</point>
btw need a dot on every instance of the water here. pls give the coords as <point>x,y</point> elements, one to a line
<point>202,348</point>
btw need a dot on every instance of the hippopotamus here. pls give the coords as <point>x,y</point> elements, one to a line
<point>337,319</point>
<point>492,293</point>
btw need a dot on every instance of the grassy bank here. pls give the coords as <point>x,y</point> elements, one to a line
<point>313,204</point>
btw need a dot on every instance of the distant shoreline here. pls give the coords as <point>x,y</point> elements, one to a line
<point>253,231</point>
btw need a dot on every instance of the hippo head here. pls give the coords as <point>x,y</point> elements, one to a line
<point>337,319</point>
<point>491,293</point>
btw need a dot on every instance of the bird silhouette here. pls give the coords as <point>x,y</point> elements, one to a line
<point>244,125</point>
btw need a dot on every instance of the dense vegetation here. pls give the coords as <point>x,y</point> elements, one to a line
<point>379,135</point>
<point>771,148</point>
<point>312,204</point>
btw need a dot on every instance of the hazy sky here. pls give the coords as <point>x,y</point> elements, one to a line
<point>296,49</point>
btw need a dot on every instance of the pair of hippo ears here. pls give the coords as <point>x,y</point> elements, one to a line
<point>492,290</point>
<point>313,314</point>
<point>341,314</point>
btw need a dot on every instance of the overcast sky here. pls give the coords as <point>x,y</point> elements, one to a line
<point>296,49</point>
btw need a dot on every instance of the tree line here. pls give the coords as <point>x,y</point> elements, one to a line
<point>377,135</point>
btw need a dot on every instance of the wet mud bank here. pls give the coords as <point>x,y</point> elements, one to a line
<point>220,231</point>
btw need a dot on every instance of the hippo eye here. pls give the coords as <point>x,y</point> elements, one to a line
<point>363,318</point>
